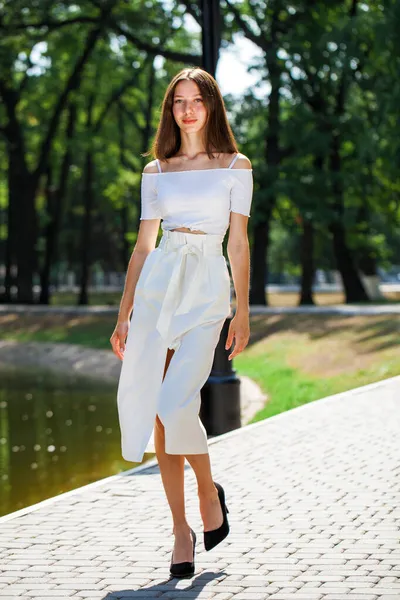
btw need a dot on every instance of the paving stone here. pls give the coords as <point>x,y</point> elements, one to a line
<point>350,597</point>
<point>296,596</point>
<point>50,593</point>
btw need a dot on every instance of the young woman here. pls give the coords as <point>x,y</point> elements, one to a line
<point>179,295</point>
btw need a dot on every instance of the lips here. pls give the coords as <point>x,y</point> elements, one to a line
<point>189,120</point>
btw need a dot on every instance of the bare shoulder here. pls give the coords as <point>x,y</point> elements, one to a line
<point>242,162</point>
<point>151,167</point>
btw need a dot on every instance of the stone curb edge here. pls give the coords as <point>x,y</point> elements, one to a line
<point>255,309</point>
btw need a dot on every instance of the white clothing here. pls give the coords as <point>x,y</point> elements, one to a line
<point>169,312</point>
<point>181,301</point>
<point>198,199</point>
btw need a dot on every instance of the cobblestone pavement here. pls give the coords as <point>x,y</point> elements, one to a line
<point>314,501</point>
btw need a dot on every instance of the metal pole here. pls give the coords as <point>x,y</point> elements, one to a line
<point>220,395</point>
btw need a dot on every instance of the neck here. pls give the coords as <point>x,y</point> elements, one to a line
<point>191,147</point>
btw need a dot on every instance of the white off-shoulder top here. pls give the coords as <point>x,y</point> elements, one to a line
<point>198,199</point>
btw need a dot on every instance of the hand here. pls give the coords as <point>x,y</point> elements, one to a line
<point>118,338</point>
<point>239,329</point>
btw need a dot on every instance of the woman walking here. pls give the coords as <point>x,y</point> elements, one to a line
<point>179,296</point>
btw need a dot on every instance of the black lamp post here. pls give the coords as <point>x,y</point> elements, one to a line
<point>220,395</point>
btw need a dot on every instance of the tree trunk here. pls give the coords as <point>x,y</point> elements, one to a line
<point>259,273</point>
<point>9,258</point>
<point>49,235</point>
<point>307,263</point>
<point>88,204</point>
<point>55,202</point>
<point>27,236</point>
<point>86,230</point>
<point>353,287</point>
<point>366,261</point>
<point>354,290</point>
<point>20,249</point>
<point>16,171</point>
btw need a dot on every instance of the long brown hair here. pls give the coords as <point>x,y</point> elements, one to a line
<point>218,134</point>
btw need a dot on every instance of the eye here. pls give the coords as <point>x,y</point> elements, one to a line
<point>201,99</point>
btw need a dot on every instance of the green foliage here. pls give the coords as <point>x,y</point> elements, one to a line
<point>324,50</point>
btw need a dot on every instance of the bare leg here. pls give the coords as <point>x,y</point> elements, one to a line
<point>172,475</point>
<point>199,344</point>
<point>210,507</point>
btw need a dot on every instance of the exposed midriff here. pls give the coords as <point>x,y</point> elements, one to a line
<point>186,230</point>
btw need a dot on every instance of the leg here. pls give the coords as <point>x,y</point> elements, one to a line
<point>179,399</point>
<point>172,475</point>
<point>210,507</point>
<point>190,368</point>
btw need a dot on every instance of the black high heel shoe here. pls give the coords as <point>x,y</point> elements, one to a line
<point>215,536</point>
<point>184,569</point>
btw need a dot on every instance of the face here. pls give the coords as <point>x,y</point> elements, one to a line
<point>188,107</point>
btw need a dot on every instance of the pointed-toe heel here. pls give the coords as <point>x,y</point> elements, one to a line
<point>184,569</point>
<point>215,536</point>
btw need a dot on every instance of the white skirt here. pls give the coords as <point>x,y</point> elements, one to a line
<point>181,301</point>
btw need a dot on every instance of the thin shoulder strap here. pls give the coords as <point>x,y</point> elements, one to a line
<point>158,165</point>
<point>234,160</point>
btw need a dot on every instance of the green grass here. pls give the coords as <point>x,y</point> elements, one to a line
<point>288,387</point>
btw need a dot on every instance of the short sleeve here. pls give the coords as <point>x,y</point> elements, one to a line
<point>150,208</point>
<point>241,191</point>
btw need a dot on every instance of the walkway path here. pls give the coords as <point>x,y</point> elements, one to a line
<point>314,497</point>
<point>255,309</point>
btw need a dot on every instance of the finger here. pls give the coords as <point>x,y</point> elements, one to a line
<point>234,353</point>
<point>121,347</point>
<point>229,339</point>
<point>230,355</point>
<point>119,353</point>
<point>116,348</point>
<point>239,347</point>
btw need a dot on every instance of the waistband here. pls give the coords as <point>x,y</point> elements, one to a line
<point>206,244</point>
<point>182,244</point>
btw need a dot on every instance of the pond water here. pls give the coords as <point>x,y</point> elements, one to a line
<point>57,433</point>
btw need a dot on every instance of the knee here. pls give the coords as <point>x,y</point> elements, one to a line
<point>159,427</point>
<point>169,356</point>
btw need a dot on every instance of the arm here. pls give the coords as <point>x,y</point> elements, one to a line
<point>239,259</point>
<point>145,243</point>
